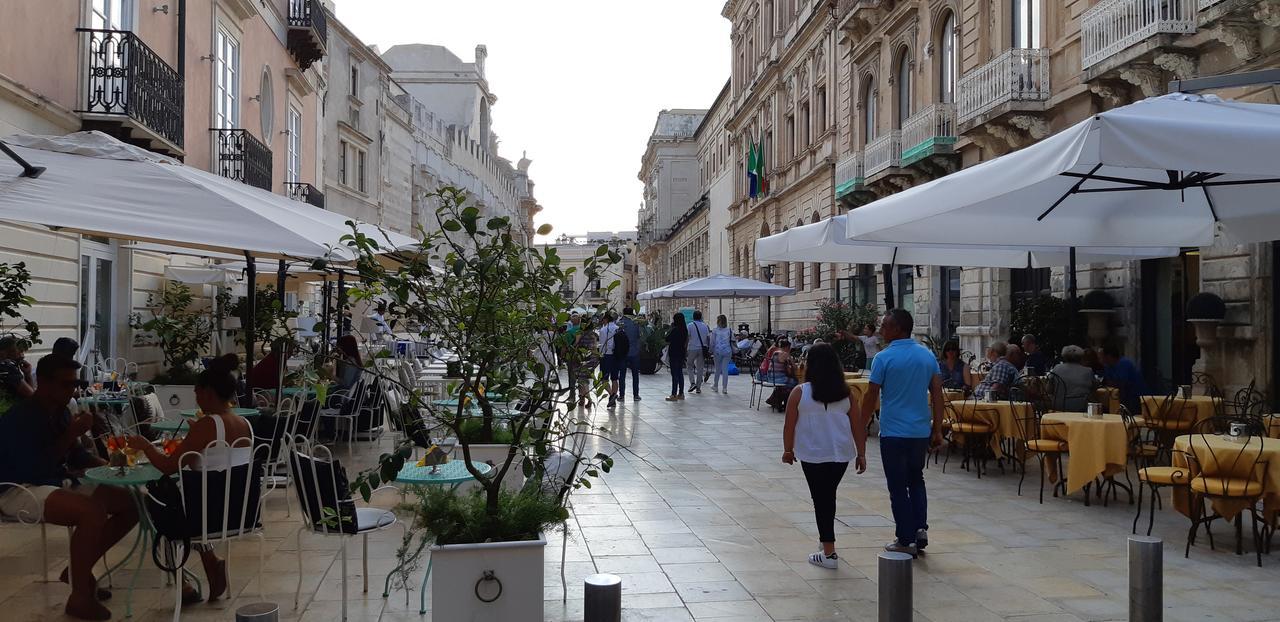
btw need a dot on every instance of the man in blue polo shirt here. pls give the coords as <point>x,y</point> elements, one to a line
<point>906,384</point>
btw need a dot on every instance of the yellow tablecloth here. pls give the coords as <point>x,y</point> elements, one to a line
<point>1006,418</point>
<point>1095,446</point>
<point>1220,445</point>
<point>1196,408</point>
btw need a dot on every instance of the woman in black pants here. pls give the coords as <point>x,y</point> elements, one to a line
<point>677,343</point>
<point>821,430</point>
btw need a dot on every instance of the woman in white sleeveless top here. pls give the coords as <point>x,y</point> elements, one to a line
<point>821,432</point>
<point>216,391</point>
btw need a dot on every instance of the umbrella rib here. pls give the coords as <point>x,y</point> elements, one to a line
<point>1119,180</point>
<point>1238,182</point>
<point>1073,189</point>
<point>1212,210</point>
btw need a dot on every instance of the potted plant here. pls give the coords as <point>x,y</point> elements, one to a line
<point>653,338</point>
<point>1046,317</point>
<point>14,280</point>
<point>477,290</point>
<point>1097,307</point>
<point>1205,311</point>
<point>182,334</point>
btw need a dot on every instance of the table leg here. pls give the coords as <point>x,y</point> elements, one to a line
<point>422,597</point>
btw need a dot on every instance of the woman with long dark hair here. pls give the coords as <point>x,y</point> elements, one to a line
<point>955,374</point>
<point>821,432</point>
<point>349,363</point>
<point>677,342</point>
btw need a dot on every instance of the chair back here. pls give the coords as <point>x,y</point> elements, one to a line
<point>222,498</point>
<point>1171,411</point>
<point>323,490</point>
<point>1217,460</point>
<point>974,411</point>
<point>1208,386</point>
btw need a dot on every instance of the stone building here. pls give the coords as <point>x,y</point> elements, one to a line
<point>574,250</point>
<point>670,173</point>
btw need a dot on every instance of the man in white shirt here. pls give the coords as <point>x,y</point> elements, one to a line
<point>699,338</point>
<point>608,362</point>
<point>380,328</point>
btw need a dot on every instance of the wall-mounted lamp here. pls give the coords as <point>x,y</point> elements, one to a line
<point>164,8</point>
<point>256,98</point>
<point>208,57</point>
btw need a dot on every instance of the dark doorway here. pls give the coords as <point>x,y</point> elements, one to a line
<point>1168,348</point>
<point>949,296</point>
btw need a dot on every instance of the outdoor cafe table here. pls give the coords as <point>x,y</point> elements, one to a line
<point>168,426</point>
<point>1098,447</point>
<point>1201,406</point>
<point>1004,417</point>
<point>1222,445</point>
<point>452,474</point>
<point>243,412</point>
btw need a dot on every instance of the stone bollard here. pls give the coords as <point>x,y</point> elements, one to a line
<point>1146,579</point>
<point>258,612</point>
<point>895,587</point>
<point>603,598</point>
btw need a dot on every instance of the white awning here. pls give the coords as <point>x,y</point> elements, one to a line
<point>718,286</point>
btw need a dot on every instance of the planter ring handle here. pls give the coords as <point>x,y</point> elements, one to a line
<point>488,576</point>
<point>174,400</point>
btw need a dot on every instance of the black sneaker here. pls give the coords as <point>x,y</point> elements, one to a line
<point>636,398</point>
<point>922,538</point>
<point>612,403</point>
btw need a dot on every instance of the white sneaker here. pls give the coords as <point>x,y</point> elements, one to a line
<point>715,390</point>
<point>897,547</point>
<point>830,562</point>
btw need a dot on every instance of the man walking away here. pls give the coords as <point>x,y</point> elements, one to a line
<point>632,331</point>
<point>609,362</point>
<point>699,342</point>
<point>907,385</point>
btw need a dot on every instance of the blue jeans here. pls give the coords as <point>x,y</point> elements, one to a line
<point>633,364</point>
<point>903,460</point>
<point>722,371</point>
<point>677,380</point>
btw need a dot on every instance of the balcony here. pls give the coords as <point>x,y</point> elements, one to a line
<point>883,153</point>
<point>308,31</point>
<point>1017,75</point>
<point>849,175</point>
<point>130,92</point>
<point>306,193</point>
<point>931,131</point>
<point>1111,26</point>
<point>243,158</point>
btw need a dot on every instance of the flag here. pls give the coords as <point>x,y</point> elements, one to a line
<point>752,180</point>
<point>761,181</point>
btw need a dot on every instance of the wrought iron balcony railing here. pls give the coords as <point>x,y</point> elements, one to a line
<point>127,78</point>
<point>929,131</point>
<point>306,193</point>
<point>849,175</point>
<point>244,158</point>
<point>883,153</point>
<point>1110,26</point>
<point>308,31</point>
<point>1019,74</point>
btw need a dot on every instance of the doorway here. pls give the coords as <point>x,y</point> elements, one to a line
<point>97,297</point>
<point>949,301</point>
<point>1168,348</point>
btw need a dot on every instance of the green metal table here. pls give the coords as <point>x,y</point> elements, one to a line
<point>169,426</point>
<point>452,474</point>
<point>243,412</point>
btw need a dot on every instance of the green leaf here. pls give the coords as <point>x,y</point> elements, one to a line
<point>452,225</point>
<point>545,229</point>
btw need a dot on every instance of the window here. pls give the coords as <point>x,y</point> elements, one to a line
<point>226,70</point>
<point>293,163</point>
<point>822,110</point>
<point>868,110</point>
<point>360,171</point>
<point>343,149</point>
<point>947,60</point>
<point>805,138</point>
<point>864,285</point>
<point>355,81</point>
<point>353,117</point>
<point>907,289</point>
<point>903,89</point>
<point>1027,283</point>
<point>950,298</point>
<point>111,15</point>
<point>791,136</point>
<point>1026,23</point>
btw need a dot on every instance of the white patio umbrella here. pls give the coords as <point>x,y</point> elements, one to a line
<point>1164,172</point>
<point>656,292</point>
<point>719,286</point>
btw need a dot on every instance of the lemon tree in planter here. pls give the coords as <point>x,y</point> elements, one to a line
<point>477,289</point>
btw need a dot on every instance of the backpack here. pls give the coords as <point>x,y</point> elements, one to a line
<point>621,343</point>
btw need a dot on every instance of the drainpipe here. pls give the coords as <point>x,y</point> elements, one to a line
<point>182,42</point>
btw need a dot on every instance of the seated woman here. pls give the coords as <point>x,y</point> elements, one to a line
<point>780,372</point>
<point>349,364</point>
<point>215,393</point>
<point>955,374</point>
<point>1075,382</point>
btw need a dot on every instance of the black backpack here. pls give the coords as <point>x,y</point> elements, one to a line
<point>621,343</point>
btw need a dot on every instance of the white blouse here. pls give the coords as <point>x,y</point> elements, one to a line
<point>823,431</point>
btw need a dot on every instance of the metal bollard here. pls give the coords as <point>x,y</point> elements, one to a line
<point>258,612</point>
<point>603,598</point>
<point>1146,579</point>
<point>895,587</point>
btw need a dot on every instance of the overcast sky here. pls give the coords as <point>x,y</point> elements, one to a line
<point>579,83</point>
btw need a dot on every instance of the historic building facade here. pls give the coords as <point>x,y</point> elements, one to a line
<point>669,170</point>
<point>575,250</point>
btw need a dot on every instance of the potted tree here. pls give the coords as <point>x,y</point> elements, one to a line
<point>653,338</point>
<point>182,334</point>
<point>477,290</point>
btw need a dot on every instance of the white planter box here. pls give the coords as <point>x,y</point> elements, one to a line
<point>456,569</point>
<point>176,397</point>
<point>497,454</point>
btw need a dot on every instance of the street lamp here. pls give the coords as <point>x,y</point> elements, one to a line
<point>766,269</point>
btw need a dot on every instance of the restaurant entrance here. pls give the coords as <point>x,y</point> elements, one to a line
<point>97,297</point>
<point>1168,344</point>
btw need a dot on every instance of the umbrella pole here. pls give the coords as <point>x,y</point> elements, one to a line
<point>281,273</point>
<point>1072,287</point>
<point>887,270</point>
<point>343,326</point>
<point>251,300</point>
<point>325,291</point>
<point>768,315</point>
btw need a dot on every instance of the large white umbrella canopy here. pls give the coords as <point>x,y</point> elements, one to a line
<point>656,292</point>
<point>828,241</point>
<point>1167,171</point>
<point>96,185</point>
<point>718,286</point>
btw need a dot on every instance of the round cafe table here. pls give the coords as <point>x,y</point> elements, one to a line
<point>1005,418</point>
<point>243,412</point>
<point>452,474</point>
<point>1223,446</point>
<point>1194,409</point>
<point>168,426</point>
<point>1098,447</point>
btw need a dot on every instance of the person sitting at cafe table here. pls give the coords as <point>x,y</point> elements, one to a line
<point>955,373</point>
<point>266,373</point>
<point>39,449</point>
<point>1076,382</point>
<point>16,380</point>
<point>1120,372</point>
<point>997,382</point>
<point>215,394</point>
<point>1036,358</point>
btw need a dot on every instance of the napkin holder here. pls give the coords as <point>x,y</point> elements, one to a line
<point>1094,410</point>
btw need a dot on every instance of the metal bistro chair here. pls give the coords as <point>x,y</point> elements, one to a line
<point>329,510</point>
<point>1226,475</point>
<point>1210,386</point>
<point>1168,419</point>
<point>973,426</point>
<point>1151,477</point>
<point>344,405</point>
<point>25,517</point>
<point>1047,441</point>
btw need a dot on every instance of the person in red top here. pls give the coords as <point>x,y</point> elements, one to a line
<point>266,373</point>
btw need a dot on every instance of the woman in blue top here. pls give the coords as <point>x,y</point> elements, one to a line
<point>955,374</point>
<point>722,348</point>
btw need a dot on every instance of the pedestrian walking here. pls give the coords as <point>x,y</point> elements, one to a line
<point>609,362</point>
<point>677,342</point>
<point>907,384</point>
<point>587,347</point>
<point>822,431</point>
<point>632,361</point>
<point>722,349</point>
<point>699,347</point>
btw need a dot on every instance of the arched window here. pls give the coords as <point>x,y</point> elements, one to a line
<point>815,269</point>
<point>903,89</point>
<point>868,109</point>
<point>948,65</point>
<point>1026,23</point>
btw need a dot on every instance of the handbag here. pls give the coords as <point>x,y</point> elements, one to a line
<point>172,545</point>
<point>706,352</point>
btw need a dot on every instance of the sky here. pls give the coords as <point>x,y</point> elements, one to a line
<point>579,84</point>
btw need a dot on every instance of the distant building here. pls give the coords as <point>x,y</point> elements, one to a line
<point>575,250</point>
<point>669,170</point>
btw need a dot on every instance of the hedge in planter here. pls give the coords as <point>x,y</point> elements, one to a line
<point>181,332</point>
<point>476,289</point>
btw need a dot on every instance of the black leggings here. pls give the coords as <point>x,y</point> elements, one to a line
<point>823,479</point>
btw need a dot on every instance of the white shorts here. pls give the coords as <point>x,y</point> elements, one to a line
<point>26,503</point>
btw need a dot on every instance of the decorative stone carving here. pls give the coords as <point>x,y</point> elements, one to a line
<point>1112,96</point>
<point>1180,65</point>
<point>1268,12</point>
<point>1145,77</point>
<point>989,143</point>
<point>1031,124</point>
<point>1241,37</point>
<point>1013,138</point>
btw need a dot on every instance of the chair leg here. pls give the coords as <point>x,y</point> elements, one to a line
<point>297,594</point>
<point>343,552</point>
<point>1240,534</point>
<point>1155,496</point>
<point>364,561</point>
<point>262,563</point>
<point>1024,477</point>
<point>1139,514</point>
<point>44,550</point>
<point>1257,544</point>
<point>564,545</point>
<point>1197,508</point>
<point>1041,458</point>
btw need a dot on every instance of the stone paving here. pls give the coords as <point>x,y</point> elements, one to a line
<point>703,522</point>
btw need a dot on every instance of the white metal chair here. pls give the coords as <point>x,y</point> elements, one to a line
<point>32,518</point>
<point>327,507</point>
<point>344,405</point>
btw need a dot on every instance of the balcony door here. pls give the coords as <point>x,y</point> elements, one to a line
<point>1026,24</point>
<point>226,77</point>
<point>108,56</point>
<point>111,15</point>
<point>97,296</point>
